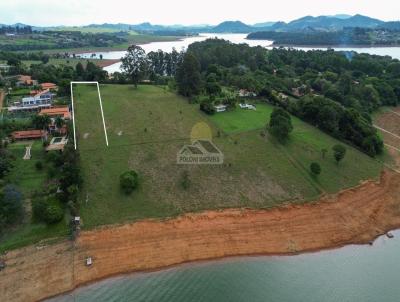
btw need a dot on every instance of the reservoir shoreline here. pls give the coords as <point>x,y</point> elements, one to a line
<point>354,216</point>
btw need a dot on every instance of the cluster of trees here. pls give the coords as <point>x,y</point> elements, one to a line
<point>50,203</point>
<point>347,36</point>
<point>336,91</point>
<point>62,75</point>
<point>344,123</point>
<point>138,65</point>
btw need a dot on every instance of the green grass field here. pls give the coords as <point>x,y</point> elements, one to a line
<point>147,127</point>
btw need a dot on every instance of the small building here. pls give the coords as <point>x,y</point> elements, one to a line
<point>29,134</point>
<point>283,96</point>
<point>220,108</point>
<point>49,86</point>
<point>25,80</point>
<point>246,93</point>
<point>247,106</point>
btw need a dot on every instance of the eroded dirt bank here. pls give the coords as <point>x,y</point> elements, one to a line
<point>355,216</point>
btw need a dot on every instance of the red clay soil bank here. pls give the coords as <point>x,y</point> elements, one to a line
<point>357,215</point>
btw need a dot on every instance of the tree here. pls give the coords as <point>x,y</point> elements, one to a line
<point>11,205</point>
<point>41,121</point>
<point>339,151</point>
<point>59,122</point>
<point>188,76</point>
<point>315,169</point>
<point>212,86</point>
<point>129,181</point>
<point>280,124</point>
<point>80,70</point>
<point>134,63</point>
<point>45,59</point>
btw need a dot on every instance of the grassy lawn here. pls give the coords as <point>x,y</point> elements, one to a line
<point>241,120</point>
<point>26,177</point>
<point>24,174</point>
<point>147,127</point>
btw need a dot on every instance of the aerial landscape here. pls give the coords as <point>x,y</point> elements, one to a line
<point>152,152</point>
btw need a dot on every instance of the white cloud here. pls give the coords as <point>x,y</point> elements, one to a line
<point>78,12</point>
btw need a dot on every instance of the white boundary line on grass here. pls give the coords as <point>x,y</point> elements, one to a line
<point>101,109</point>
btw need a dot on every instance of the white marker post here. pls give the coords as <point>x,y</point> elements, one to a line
<point>101,109</point>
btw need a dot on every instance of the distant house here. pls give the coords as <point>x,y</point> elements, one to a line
<point>283,96</point>
<point>29,134</point>
<point>246,93</point>
<point>220,108</point>
<point>25,80</point>
<point>299,91</point>
<point>247,106</point>
<point>49,86</point>
<point>44,99</point>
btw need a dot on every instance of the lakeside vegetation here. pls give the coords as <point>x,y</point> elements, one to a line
<point>345,37</point>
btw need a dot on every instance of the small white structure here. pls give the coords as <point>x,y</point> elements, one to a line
<point>247,106</point>
<point>220,108</point>
<point>89,261</point>
<point>77,220</point>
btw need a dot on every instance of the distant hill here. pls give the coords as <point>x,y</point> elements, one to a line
<point>329,23</point>
<point>233,27</point>
<point>307,23</point>
<point>265,24</point>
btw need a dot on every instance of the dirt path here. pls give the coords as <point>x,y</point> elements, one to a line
<point>357,215</point>
<point>2,95</point>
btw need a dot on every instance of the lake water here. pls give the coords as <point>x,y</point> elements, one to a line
<point>234,38</point>
<point>353,274</point>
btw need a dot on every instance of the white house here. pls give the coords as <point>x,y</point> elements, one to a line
<point>220,108</point>
<point>41,100</point>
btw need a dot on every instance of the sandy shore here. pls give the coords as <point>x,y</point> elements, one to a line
<point>355,216</point>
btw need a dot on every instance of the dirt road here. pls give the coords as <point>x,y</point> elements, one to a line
<point>357,215</point>
<point>2,95</point>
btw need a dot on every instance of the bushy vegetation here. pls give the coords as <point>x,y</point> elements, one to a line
<point>129,181</point>
<point>280,124</point>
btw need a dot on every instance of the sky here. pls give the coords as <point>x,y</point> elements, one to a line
<point>83,12</point>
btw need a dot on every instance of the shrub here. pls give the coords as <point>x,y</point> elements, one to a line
<point>129,181</point>
<point>185,180</point>
<point>53,214</point>
<point>339,151</point>
<point>280,124</point>
<point>315,169</point>
<point>47,209</point>
<point>11,205</point>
